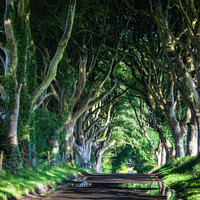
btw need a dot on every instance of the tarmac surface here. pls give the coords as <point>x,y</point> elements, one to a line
<point>113,186</point>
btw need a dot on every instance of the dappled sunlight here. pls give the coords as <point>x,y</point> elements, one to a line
<point>26,181</point>
<point>111,86</point>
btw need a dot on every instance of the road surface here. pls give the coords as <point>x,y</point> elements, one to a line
<point>113,186</point>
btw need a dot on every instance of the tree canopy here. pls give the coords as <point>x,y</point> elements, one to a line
<point>101,83</point>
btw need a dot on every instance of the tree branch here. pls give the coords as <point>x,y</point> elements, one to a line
<point>21,8</point>
<point>52,71</point>
<point>2,92</point>
<point>11,40</point>
<point>81,82</point>
<point>40,102</point>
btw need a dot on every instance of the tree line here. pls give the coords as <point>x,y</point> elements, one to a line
<point>67,69</point>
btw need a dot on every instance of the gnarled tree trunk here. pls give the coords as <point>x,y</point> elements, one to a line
<point>83,154</point>
<point>97,161</point>
<point>99,154</point>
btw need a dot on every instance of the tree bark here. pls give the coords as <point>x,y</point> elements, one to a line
<point>185,83</point>
<point>177,134</point>
<point>13,121</point>
<point>69,138</point>
<point>164,155</point>
<point>14,86</point>
<point>83,154</point>
<point>97,163</point>
<point>177,129</point>
<point>55,156</point>
<point>168,149</point>
<point>158,153</point>
<point>192,142</point>
<point>99,154</point>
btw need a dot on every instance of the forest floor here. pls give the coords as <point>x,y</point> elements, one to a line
<point>183,175</point>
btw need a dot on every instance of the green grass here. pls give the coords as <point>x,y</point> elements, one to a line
<point>28,180</point>
<point>183,175</point>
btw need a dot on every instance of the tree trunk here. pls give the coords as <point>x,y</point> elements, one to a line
<point>192,145</point>
<point>83,154</point>
<point>69,139</point>
<point>166,145</point>
<point>99,153</point>
<point>174,125</point>
<point>34,154</point>
<point>178,136</point>
<point>158,153</point>
<point>97,162</point>
<point>55,156</point>
<point>24,129</point>
<point>179,146</point>
<point>163,156</point>
<point>11,130</point>
<point>198,130</point>
<point>184,80</point>
<point>25,147</point>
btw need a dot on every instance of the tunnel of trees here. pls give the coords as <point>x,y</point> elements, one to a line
<point>99,83</point>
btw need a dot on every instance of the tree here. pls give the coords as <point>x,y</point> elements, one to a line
<point>14,53</point>
<point>181,47</point>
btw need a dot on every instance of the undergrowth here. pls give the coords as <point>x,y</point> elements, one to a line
<point>183,175</point>
<point>24,181</point>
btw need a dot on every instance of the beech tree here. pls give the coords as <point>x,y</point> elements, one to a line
<point>92,97</point>
<point>85,133</point>
<point>181,45</point>
<point>183,66</point>
<point>164,147</point>
<point>69,68</point>
<point>97,66</point>
<point>14,56</point>
<point>158,95</point>
<point>102,140</point>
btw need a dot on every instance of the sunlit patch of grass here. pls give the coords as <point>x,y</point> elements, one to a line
<point>28,180</point>
<point>183,175</point>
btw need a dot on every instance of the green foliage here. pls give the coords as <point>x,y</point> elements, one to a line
<point>27,181</point>
<point>131,142</point>
<point>46,129</point>
<point>121,157</point>
<point>95,21</point>
<point>106,166</point>
<point>183,175</point>
<point>31,74</point>
<point>24,113</point>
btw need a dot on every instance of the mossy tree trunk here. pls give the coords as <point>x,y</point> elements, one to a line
<point>15,26</point>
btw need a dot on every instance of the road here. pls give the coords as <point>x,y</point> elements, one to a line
<point>113,186</point>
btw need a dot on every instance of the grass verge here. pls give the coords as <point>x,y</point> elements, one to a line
<point>26,181</point>
<point>183,175</point>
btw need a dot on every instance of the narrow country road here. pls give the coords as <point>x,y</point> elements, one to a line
<point>113,186</point>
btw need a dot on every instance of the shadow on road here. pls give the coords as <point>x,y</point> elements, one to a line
<point>114,186</point>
